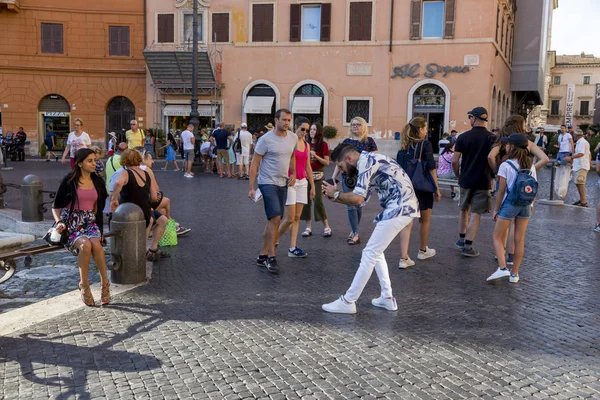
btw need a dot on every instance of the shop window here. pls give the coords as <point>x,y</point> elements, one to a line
<point>361,20</point>
<point>584,107</point>
<point>555,107</point>
<point>165,27</point>
<point>557,79</point>
<point>52,38</point>
<point>188,27</point>
<point>220,28</point>
<point>357,107</point>
<point>586,80</point>
<point>118,39</point>
<point>262,22</point>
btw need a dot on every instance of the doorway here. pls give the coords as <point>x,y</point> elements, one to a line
<point>435,127</point>
<point>119,112</point>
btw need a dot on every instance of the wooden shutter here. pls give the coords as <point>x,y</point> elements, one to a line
<point>295,19</point>
<point>220,27</point>
<point>46,38</point>
<point>361,14</point>
<point>118,41</point>
<point>450,13</point>
<point>52,38</point>
<point>325,22</point>
<point>415,19</point>
<point>262,22</point>
<point>166,28</point>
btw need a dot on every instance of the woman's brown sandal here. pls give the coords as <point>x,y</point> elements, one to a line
<point>86,295</point>
<point>105,294</point>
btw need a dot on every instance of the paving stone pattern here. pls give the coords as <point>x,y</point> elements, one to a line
<point>212,325</point>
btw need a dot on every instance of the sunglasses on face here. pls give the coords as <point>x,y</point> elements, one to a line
<point>303,130</point>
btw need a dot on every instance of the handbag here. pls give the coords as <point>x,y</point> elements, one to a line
<point>56,238</point>
<point>421,178</point>
<point>318,175</point>
<point>169,238</point>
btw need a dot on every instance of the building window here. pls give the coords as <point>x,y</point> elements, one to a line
<point>188,27</point>
<point>165,27</point>
<point>118,39</point>
<point>555,107</point>
<point>311,23</point>
<point>52,38</point>
<point>497,23</point>
<point>361,20</point>
<point>358,107</point>
<point>262,22</point>
<point>586,80</point>
<point>557,79</point>
<point>502,35</point>
<point>584,107</point>
<point>220,28</point>
<point>433,19</point>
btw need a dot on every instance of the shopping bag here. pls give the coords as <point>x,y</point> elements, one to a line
<point>169,238</point>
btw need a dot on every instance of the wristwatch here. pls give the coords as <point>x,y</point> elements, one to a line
<point>336,195</point>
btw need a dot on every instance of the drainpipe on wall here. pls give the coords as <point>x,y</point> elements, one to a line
<point>391,25</point>
<point>145,27</point>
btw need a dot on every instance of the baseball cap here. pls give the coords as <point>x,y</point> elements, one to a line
<point>479,112</point>
<point>244,125</point>
<point>517,139</point>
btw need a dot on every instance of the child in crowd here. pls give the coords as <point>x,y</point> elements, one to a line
<point>444,169</point>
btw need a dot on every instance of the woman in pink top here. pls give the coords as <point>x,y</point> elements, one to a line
<point>77,209</point>
<point>444,169</point>
<point>297,195</point>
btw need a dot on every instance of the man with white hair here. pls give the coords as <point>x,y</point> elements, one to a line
<point>241,146</point>
<point>135,136</point>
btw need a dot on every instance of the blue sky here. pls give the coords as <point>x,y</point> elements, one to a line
<point>576,27</point>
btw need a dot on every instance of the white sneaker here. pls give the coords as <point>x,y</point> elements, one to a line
<point>406,263</point>
<point>383,302</point>
<point>513,278</point>
<point>428,253</point>
<point>499,274</point>
<point>188,176</point>
<point>340,306</point>
<point>597,228</point>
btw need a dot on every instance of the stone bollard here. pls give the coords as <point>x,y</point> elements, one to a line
<point>31,199</point>
<point>128,247</point>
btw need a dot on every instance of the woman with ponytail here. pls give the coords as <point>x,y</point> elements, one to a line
<point>414,145</point>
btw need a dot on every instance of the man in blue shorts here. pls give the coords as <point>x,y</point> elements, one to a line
<point>273,157</point>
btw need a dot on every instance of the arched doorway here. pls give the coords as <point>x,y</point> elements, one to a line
<point>308,101</point>
<point>429,102</point>
<point>54,111</point>
<point>119,112</point>
<point>259,105</point>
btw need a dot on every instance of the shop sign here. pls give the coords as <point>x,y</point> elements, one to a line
<point>570,105</point>
<point>431,69</point>
<point>55,114</point>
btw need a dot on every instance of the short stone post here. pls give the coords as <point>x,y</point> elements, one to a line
<point>128,246</point>
<point>31,199</point>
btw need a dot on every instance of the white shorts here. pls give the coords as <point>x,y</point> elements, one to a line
<point>242,159</point>
<point>298,194</point>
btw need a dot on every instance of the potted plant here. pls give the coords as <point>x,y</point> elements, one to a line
<point>329,131</point>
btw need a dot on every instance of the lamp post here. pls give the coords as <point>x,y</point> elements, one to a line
<point>194,116</point>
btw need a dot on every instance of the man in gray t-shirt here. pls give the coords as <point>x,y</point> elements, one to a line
<point>273,157</point>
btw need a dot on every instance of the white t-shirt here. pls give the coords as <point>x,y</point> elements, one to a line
<point>508,172</point>
<point>564,143</point>
<point>186,138</point>
<point>246,141</point>
<point>78,142</point>
<point>582,146</point>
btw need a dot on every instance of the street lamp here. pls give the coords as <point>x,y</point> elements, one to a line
<point>194,116</point>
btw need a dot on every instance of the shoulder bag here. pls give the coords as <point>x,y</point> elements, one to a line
<point>419,175</point>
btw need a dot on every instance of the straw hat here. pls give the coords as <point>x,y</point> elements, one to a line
<point>269,126</point>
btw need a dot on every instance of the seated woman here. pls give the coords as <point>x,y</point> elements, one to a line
<point>444,168</point>
<point>78,209</point>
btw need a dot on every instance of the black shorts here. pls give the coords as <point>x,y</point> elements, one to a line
<point>425,200</point>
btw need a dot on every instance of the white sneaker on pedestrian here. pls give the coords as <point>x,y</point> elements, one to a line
<point>428,253</point>
<point>499,274</point>
<point>340,306</point>
<point>188,176</point>
<point>513,278</point>
<point>384,302</point>
<point>597,228</point>
<point>406,263</point>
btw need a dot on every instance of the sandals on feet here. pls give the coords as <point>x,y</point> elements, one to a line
<point>156,254</point>
<point>307,232</point>
<point>86,295</point>
<point>355,239</point>
<point>105,294</point>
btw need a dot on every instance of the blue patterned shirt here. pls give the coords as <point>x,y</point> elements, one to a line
<point>396,193</point>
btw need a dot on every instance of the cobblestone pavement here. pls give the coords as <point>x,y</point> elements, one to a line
<point>212,325</point>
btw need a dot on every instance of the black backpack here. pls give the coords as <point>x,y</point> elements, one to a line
<point>237,144</point>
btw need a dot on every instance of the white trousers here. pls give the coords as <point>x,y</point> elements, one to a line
<point>372,257</point>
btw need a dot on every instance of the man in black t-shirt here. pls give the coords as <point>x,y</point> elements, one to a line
<point>220,139</point>
<point>474,178</point>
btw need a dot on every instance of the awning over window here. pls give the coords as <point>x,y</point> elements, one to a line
<point>258,105</point>
<point>172,70</point>
<point>183,110</point>
<point>307,105</point>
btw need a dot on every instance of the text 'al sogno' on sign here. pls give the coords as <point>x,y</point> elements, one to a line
<point>431,69</point>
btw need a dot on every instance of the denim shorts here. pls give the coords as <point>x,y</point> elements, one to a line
<point>560,157</point>
<point>274,198</point>
<point>509,211</point>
